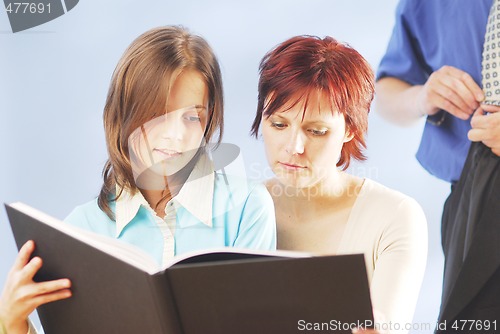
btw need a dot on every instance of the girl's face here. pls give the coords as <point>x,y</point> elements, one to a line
<point>304,151</point>
<point>166,144</point>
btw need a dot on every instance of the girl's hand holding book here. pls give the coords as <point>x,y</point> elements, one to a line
<point>22,295</point>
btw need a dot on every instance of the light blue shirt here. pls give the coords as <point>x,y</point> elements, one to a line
<point>212,210</point>
<point>241,215</point>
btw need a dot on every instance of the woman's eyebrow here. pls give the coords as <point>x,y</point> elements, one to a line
<point>306,121</point>
<point>277,115</point>
<point>316,122</point>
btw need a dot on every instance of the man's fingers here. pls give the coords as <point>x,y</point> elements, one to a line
<point>464,77</point>
<point>461,95</point>
<point>476,134</point>
<point>479,119</point>
<point>454,91</point>
<point>490,121</point>
<point>490,108</point>
<point>460,92</point>
<point>447,105</point>
<point>486,128</point>
<point>472,86</point>
<point>454,99</point>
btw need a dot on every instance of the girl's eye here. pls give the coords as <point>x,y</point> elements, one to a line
<point>316,132</point>
<point>192,119</point>
<point>278,125</point>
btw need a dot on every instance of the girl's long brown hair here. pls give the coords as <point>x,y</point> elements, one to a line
<point>138,93</point>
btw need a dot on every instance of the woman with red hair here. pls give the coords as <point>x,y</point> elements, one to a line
<point>313,104</point>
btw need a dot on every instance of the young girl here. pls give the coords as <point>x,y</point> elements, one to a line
<point>160,190</point>
<point>314,98</point>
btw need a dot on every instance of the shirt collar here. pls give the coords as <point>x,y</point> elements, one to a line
<point>196,196</point>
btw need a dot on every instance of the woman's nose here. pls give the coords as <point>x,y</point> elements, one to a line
<point>295,144</point>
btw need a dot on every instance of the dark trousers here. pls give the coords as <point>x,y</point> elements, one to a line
<point>471,244</point>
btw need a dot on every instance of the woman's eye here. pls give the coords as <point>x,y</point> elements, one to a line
<point>317,132</point>
<point>278,125</point>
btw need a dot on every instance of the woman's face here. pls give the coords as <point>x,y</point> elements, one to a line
<point>304,151</point>
<point>166,144</point>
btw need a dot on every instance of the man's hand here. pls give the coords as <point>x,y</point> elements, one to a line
<point>486,128</point>
<point>452,90</point>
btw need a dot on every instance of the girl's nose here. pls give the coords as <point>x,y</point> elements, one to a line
<point>173,128</point>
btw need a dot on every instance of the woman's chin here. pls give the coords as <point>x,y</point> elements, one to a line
<point>298,182</point>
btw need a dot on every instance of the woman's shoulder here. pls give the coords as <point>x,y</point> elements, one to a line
<point>398,217</point>
<point>390,206</point>
<point>383,196</point>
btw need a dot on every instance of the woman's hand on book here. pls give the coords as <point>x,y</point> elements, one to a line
<point>21,295</point>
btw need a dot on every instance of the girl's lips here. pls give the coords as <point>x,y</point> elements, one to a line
<point>167,153</point>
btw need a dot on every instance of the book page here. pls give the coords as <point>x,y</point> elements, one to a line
<point>137,257</point>
<point>118,249</point>
<point>229,254</point>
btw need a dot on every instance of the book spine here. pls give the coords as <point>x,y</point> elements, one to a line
<point>165,303</point>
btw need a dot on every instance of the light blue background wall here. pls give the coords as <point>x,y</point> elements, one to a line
<point>54,80</point>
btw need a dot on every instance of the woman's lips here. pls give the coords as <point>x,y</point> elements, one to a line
<point>290,166</point>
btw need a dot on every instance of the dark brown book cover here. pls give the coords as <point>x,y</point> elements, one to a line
<point>214,292</point>
<point>109,295</point>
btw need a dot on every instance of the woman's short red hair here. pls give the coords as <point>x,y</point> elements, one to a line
<point>302,65</point>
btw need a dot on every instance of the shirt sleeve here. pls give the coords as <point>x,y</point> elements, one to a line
<point>258,221</point>
<point>76,217</point>
<point>91,218</point>
<point>32,329</point>
<point>400,265</point>
<point>403,58</point>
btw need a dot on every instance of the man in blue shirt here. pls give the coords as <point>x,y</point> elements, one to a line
<point>432,68</point>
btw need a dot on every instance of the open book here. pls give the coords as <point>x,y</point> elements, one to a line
<point>117,288</point>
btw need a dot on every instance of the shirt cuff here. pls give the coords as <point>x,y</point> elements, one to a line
<point>437,119</point>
